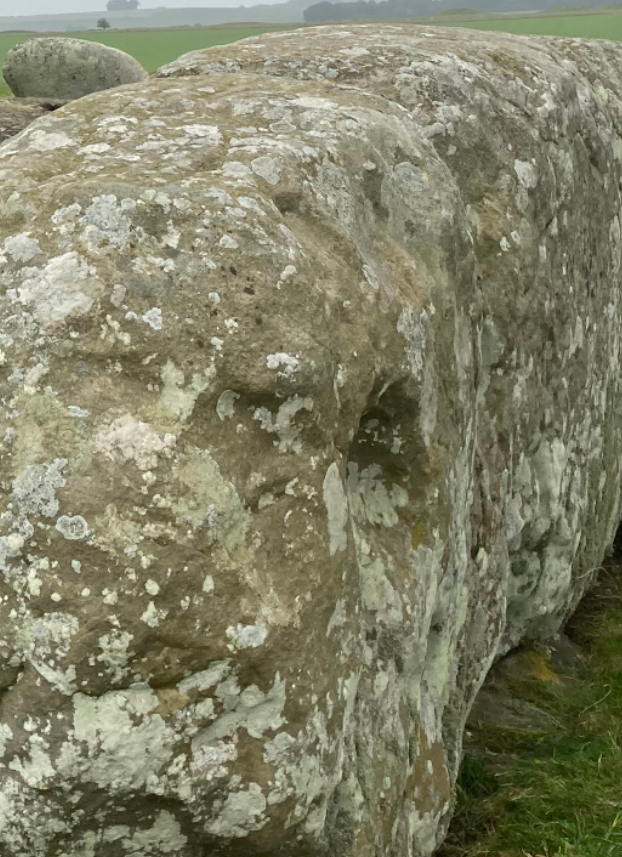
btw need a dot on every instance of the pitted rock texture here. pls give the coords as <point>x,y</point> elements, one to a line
<point>519,123</point>
<point>67,68</point>
<point>311,406</point>
<point>17,113</point>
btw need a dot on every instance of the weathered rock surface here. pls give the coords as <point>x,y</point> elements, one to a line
<point>17,113</point>
<point>67,68</point>
<point>311,406</point>
<point>518,122</point>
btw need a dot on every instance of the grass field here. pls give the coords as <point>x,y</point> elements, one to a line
<point>152,48</point>
<point>563,798</point>
<point>584,26</point>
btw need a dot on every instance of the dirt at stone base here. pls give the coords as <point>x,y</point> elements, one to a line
<point>17,113</point>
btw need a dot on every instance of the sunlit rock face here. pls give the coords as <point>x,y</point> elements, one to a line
<point>310,407</point>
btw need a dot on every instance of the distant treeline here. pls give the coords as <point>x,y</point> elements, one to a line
<point>122,5</point>
<point>429,8</point>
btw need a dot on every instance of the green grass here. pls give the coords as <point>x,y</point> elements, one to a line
<point>574,26</point>
<point>564,797</point>
<point>152,48</point>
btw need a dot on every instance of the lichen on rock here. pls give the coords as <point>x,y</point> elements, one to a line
<point>311,407</point>
<point>17,113</point>
<point>67,68</point>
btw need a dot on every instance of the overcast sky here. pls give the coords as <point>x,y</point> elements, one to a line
<point>50,7</point>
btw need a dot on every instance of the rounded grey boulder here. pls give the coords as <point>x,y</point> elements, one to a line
<point>67,68</point>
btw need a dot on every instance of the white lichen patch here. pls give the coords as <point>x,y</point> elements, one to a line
<point>6,735</point>
<point>125,743</point>
<point>267,168</point>
<point>46,641</point>
<point>207,134</point>
<point>369,497</point>
<point>252,709</point>
<point>208,500</point>
<point>48,141</point>
<point>209,761</point>
<point>283,424</point>
<point>240,813</point>
<point>225,407</point>
<point>22,248</point>
<point>130,440</point>
<point>415,328</point>
<point>153,318</point>
<point>37,767</point>
<point>336,504</point>
<point>152,587</point>
<point>179,397</point>
<point>72,527</point>
<point>34,490</point>
<point>151,616</point>
<point>228,242</point>
<point>164,837</point>
<point>247,636</point>
<point>526,173</point>
<point>286,364</point>
<point>65,287</point>
<point>339,617</point>
<point>107,220</point>
<point>115,653</point>
<point>204,680</point>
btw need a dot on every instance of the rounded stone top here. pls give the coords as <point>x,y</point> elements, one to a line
<point>67,68</point>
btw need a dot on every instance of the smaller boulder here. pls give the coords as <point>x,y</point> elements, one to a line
<point>66,68</point>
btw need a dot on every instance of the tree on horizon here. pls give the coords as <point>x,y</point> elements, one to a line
<point>103,24</point>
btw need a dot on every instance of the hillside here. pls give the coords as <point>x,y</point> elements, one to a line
<point>404,9</point>
<point>277,13</point>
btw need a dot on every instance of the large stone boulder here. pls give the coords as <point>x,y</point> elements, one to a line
<point>517,122</point>
<point>67,68</point>
<point>310,406</point>
<point>17,113</point>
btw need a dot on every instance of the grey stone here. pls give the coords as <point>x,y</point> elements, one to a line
<point>491,106</point>
<point>66,68</point>
<point>310,407</point>
<point>17,113</point>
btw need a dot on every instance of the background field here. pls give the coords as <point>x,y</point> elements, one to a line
<point>598,26</point>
